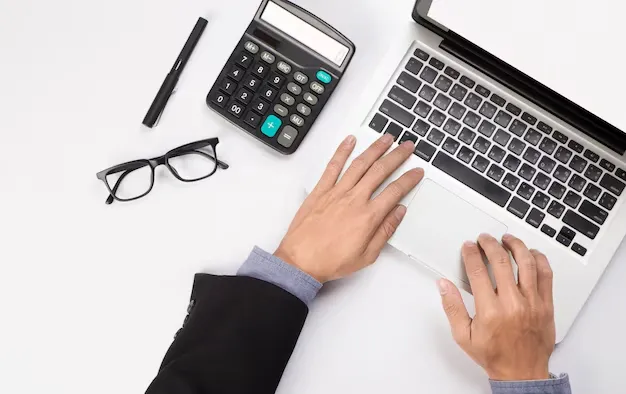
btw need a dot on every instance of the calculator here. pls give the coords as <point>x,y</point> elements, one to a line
<point>281,74</point>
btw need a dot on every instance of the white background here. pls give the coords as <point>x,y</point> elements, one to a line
<point>91,295</point>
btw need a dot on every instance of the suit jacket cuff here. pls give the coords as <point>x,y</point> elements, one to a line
<point>558,385</point>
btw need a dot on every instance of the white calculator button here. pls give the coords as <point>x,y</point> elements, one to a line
<point>283,67</point>
<point>317,87</point>
<point>297,120</point>
<point>251,47</point>
<point>301,78</point>
<point>309,98</point>
<point>268,57</point>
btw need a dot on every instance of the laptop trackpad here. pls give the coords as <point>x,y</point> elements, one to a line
<point>437,224</point>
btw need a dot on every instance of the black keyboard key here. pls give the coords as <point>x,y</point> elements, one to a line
<point>261,107</point>
<point>592,156</point>
<point>442,101</point>
<point>544,128</point>
<point>607,201</point>
<point>467,136</point>
<point>612,184</point>
<point>547,164</point>
<point>422,109</point>
<point>512,163</point>
<point>425,150</point>
<point>244,95</point>
<point>579,249</point>
<point>526,191</point>
<point>252,119</point>
<point>592,192</point>
<point>516,146</point>
<point>466,154</point>
<point>438,64</point>
<point>428,74</point>
<point>427,93</point>
<point>607,165</point>
<point>236,109</point>
<point>510,182</point>
<point>452,127</point>
<point>532,155</point>
<point>578,164</point>
<point>496,173</point>
<point>562,173</point>
<point>502,137</point>
<point>547,230</point>
<point>563,154</point>
<point>409,82</point>
<point>458,92</point>
<point>245,59</point>
<point>577,183</point>
<point>408,136</point>
<point>556,209</point>
<point>518,128</point>
<point>532,137</point>
<point>220,99</point>
<point>575,146</point>
<point>396,113</point>
<point>535,218</point>
<point>581,224</point>
<point>621,174</point>
<point>486,128</point>
<point>457,110</point>
<point>560,137</point>
<point>593,212</point>
<point>482,145</point>
<point>421,127</point>
<point>402,97</point>
<point>528,118</point>
<point>480,163</point>
<point>527,172</point>
<point>394,130</point>
<point>378,123</point>
<point>452,73</point>
<point>414,66</point>
<point>541,200</point>
<point>557,190</point>
<point>277,80</point>
<point>499,101</point>
<point>252,83</point>
<point>236,73</point>
<point>503,119</point>
<point>443,83</point>
<point>437,118</point>
<point>473,101</point>
<point>436,137</point>
<point>542,181</point>
<point>563,240</point>
<point>572,199</point>
<point>471,119</point>
<point>547,145</point>
<point>260,70</point>
<point>228,86</point>
<point>483,91</point>
<point>451,146</point>
<point>467,82</point>
<point>497,154</point>
<point>421,54</point>
<point>513,109</point>
<point>488,110</point>
<point>518,207</point>
<point>568,232</point>
<point>594,173</point>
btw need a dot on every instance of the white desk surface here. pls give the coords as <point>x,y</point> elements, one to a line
<point>91,295</point>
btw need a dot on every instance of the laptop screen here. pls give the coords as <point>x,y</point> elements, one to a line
<point>574,47</point>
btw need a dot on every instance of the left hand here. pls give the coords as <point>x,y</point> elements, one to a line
<point>339,229</point>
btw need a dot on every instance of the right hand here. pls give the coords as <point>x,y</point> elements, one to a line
<point>513,333</point>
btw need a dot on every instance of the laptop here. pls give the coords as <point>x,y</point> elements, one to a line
<point>514,135</point>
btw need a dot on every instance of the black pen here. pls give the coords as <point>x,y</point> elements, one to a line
<point>162,97</point>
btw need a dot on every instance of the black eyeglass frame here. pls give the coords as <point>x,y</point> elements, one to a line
<point>128,167</point>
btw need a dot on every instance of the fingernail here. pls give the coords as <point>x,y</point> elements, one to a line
<point>506,237</point>
<point>443,286</point>
<point>409,145</point>
<point>469,244</point>
<point>400,212</point>
<point>350,140</point>
<point>419,171</point>
<point>387,139</point>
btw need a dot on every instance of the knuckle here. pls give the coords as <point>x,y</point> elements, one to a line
<point>388,229</point>
<point>451,309</point>
<point>501,259</point>
<point>334,166</point>
<point>477,271</point>
<point>359,163</point>
<point>378,167</point>
<point>395,190</point>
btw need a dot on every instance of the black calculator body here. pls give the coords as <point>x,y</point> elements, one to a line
<point>281,75</point>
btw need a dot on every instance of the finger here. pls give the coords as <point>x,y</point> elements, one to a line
<point>384,167</point>
<point>545,277</point>
<point>396,191</point>
<point>482,289</point>
<point>500,263</point>
<point>361,164</point>
<point>335,166</point>
<point>527,266</point>
<point>384,232</point>
<point>460,321</point>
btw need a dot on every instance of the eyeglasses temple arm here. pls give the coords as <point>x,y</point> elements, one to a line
<point>110,199</point>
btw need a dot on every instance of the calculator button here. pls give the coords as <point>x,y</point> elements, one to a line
<point>235,109</point>
<point>268,57</point>
<point>297,120</point>
<point>276,80</point>
<point>228,86</point>
<point>251,47</point>
<point>283,67</point>
<point>324,77</point>
<point>269,93</point>
<point>244,95</point>
<point>236,73</point>
<point>253,119</point>
<point>317,87</point>
<point>280,110</point>
<point>303,109</point>
<point>271,125</point>
<point>301,78</point>
<point>220,100</point>
<point>252,83</point>
<point>287,99</point>
<point>287,136</point>
<point>309,98</point>
<point>260,70</point>
<point>245,60</point>
<point>293,88</point>
<point>260,106</point>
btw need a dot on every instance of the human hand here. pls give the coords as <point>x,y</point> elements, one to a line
<point>512,335</point>
<point>339,229</point>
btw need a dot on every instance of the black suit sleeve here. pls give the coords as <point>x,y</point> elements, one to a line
<point>238,338</point>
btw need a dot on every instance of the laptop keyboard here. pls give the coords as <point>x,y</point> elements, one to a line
<point>505,154</point>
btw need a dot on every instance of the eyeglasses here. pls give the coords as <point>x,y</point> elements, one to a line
<point>188,163</point>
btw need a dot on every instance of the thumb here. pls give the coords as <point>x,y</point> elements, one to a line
<point>460,321</point>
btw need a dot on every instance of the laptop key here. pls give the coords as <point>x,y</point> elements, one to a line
<point>396,113</point>
<point>612,184</point>
<point>532,155</point>
<point>414,66</point>
<point>510,182</point>
<point>452,73</point>
<point>466,154</point>
<point>471,119</point>
<point>422,109</point>
<point>527,172</point>
<point>512,163</point>
<point>436,137</point>
<point>594,173</point>
<point>544,128</point>
<point>578,164</point>
<point>518,128</point>
<point>607,165</point>
<point>563,240</point>
<point>577,183</point>
<point>473,101</point>
<point>401,97</point>
<point>467,82</point>
<point>486,128</point>
<point>471,179</point>
<point>563,154</point>
<point>378,123</point>
<point>495,173</point>
<point>547,145</point>
<point>488,110</point>
<point>572,199</point>
<point>503,119</point>
<point>438,64</point>
<point>502,137</point>
<point>556,209</point>
<point>425,150</point>
<point>421,127</point>
<point>541,200</point>
<point>581,224</point>
<point>499,101</point>
<point>535,218</point>
<point>408,136</point>
<point>592,156</point>
<point>592,192</point>
<point>562,174</point>
<point>518,207</point>
<point>547,230</point>
<point>557,190</point>
<point>526,191</point>
<point>427,93</point>
<point>516,146</point>
<point>480,163</point>
<point>568,232</point>
<point>497,154</point>
<point>528,118</point>
<point>409,82</point>
<point>621,174</point>
<point>560,137</point>
<point>458,92</point>
<point>452,127</point>
<point>542,181</point>
<point>394,129</point>
<point>457,110</point>
<point>437,118</point>
<point>575,146</point>
<point>442,101</point>
<point>451,146</point>
<point>482,145</point>
<point>443,83</point>
<point>483,91</point>
<point>579,249</point>
<point>593,212</point>
<point>421,54</point>
<point>428,74</point>
<point>515,110</point>
<point>547,164</point>
<point>532,137</point>
<point>467,136</point>
<point>607,201</point>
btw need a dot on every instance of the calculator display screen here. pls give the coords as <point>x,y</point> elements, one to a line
<point>308,35</point>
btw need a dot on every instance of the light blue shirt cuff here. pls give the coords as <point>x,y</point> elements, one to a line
<point>269,268</point>
<point>558,385</point>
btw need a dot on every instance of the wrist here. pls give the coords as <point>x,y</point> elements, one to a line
<point>518,374</point>
<point>290,259</point>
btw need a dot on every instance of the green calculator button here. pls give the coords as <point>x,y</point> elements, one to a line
<point>324,77</point>
<point>271,125</point>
